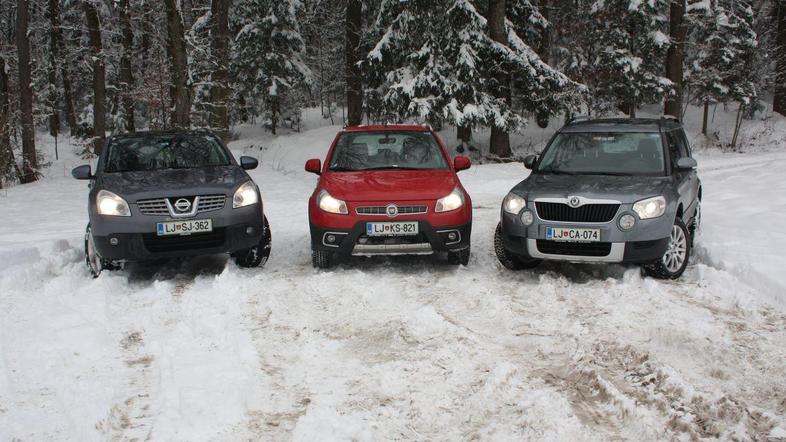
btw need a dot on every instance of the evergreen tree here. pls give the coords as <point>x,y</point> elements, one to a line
<point>624,45</point>
<point>267,56</point>
<point>725,45</point>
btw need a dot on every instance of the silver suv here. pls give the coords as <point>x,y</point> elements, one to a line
<point>606,191</point>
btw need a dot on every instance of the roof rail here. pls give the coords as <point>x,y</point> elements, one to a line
<point>669,117</point>
<point>576,118</point>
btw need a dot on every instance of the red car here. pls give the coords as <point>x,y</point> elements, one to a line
<point>389,190</point>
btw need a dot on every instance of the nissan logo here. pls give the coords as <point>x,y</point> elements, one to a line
<point>183,205</point>
<point>574,201</point>
<point>391,210</point>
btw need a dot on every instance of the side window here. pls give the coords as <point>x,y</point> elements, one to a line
<point>684,144</point>
<point>673,140</point>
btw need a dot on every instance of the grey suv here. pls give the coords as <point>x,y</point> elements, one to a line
<point>606,190</point>
<point>172,194</point>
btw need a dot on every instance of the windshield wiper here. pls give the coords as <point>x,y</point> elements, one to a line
<point>557,172</point>
<point>608,173</point>
<point>393,168</point>
<point>343,169</point>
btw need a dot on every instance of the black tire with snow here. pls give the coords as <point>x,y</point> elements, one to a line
<point>95,263</point>
<point>507,259</point>
<point>256,256</point>
<point>674,262</point>
<point>321,259</point>
<point>459,257</point>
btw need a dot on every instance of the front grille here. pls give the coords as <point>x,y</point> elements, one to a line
<point>574,248</point>
<point>159,244</point>
<point>382,210</point>
<point>588,213</point>
<point>158,207</point>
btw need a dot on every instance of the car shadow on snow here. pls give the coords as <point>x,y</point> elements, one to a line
<point>178,270</point>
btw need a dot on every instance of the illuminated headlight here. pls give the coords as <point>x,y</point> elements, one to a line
<point>650,207</point>
<point>452,201</point>
<point>527,218</point>
<point>110,204</point>
<point>627,221</point>
<point>329,204</point>
<point>513,204</point>
<point>245,195</point>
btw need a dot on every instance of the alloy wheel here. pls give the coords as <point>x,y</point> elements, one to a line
<point>677,252</point>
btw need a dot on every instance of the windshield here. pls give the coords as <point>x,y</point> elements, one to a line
<point>604,154</point>
<point>164,152</point>
<point>387,150</point>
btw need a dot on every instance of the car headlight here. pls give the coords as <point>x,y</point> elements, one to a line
<point>245,195</point>
<point>326,202</point>
<point>452,201</point>
<point>513,203</point>
<point>650,207</point>
<point>110,204</point>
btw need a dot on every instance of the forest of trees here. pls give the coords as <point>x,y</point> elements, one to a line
<point>95,67</point>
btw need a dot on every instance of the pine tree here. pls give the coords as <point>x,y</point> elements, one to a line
<point>725,44</point>
<point>267,57</point>
<point>624,45</point>
<point>431,65</point>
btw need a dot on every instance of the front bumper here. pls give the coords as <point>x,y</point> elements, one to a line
<point>647,241</point>
<point>134,238</point>
<point>354,241</point>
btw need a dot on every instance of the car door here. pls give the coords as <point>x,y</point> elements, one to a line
<point>686,180</point>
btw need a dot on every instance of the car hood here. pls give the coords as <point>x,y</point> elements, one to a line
<point>626,189</point>
<point>141,185</point>
<point>390,185</point>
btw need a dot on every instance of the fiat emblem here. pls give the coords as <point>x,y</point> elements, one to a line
<point>574,201</point>
<point>391,210</point>
<point>183,205</point>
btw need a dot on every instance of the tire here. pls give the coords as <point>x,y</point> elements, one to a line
<point>507,259</point>
<point>674,262</point>
<point>95,263</point>
<point>256,256</point>
<point>460,257</point>
<point>321,259</point>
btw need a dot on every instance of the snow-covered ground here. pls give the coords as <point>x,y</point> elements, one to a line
<point>406,348</point>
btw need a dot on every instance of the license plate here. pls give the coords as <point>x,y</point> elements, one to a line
<point>184,227</point>
<point>572,234</point>
<point>392,229</point>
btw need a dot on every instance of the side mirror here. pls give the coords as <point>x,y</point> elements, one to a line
<point>248,163</point>
<point>82,172</point>
<point>461,163</point>
<point>314,166</point>
<point>529,161</point>
<point>686,164</point>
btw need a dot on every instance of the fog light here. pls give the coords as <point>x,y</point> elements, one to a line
<point>627,221</point>
<point>113,241</point>
<point>527,218</point>
<point>331,239</point>
<point>250,230</point>
<point>452,236</point>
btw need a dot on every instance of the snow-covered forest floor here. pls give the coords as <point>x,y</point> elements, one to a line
<point>406,348</point>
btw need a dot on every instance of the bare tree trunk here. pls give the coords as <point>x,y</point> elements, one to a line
<point>675,56</point>
<point>99,76</point>
<point>176,46</point>
<point>274,110</point>
<point>5,141</point>
<point>499,143</point>
<point>354,24</point>
<point>704,118</point>
<point>219,90</point>
<point>737,126</point>
<point>779,103</point>
<point>54,115</point>
<point>29,159</point>
<point>55,51</point>
<point>464,133</point>
<point>126,72</point>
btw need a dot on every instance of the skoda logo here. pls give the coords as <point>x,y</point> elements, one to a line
<point>391,210</point>
<point>183,205</point>
<point>574,201</point>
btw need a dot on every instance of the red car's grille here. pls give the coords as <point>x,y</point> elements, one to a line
<point>382,210</point>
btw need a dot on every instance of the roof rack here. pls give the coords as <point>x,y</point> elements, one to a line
<point>576,118</point>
